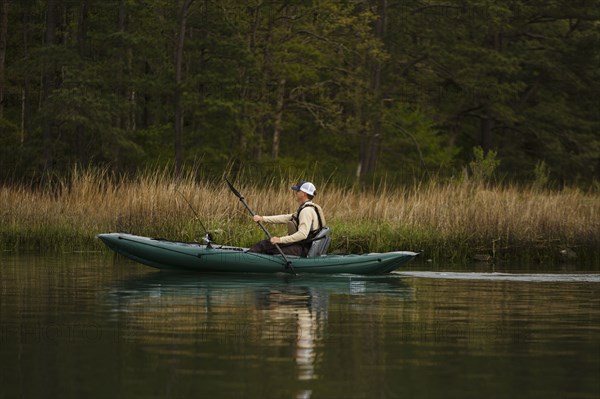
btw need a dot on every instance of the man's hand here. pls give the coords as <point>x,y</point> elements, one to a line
<point>258,218</point>
<point>275,240</point>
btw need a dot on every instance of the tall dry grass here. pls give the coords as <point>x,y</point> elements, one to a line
<point>453,220</point>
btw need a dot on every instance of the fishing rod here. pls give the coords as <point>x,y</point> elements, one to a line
<point>288,264</point>
<point>208,238</point>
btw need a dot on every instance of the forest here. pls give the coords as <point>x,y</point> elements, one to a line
<point>357,89</point>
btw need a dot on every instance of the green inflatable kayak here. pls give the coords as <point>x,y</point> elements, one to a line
<point>165,254</point>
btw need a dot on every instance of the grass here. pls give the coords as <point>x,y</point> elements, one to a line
<point>448,221</point>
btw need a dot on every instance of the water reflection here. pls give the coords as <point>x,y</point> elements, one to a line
<point>182,283</point>
<point>281,310</point>
<point>74,326</point>
<point>304,310</point>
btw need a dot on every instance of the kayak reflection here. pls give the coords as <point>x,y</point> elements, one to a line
<point>192,284</point>
<point>284,311</point>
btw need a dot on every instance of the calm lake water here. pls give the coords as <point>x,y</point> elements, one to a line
<point>98,326</point>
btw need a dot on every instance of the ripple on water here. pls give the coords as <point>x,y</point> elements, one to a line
<point>580,278</point>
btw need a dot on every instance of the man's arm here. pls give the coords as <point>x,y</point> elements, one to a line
<point>275,219</point>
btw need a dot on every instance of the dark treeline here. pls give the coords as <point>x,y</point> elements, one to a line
<point>361,87</point>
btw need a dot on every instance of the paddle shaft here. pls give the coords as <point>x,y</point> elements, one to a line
<point>241,197</point>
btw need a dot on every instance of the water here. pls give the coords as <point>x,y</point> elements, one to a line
<point>97,326</point>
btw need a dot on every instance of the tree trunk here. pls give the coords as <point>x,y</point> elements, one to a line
<point>178,78</point>
<point>121,27</point>
<point>369,152</point>
<point>259,139</point>
<point>264,117</point>
<point>48,81</point>
<point>80,139</point>
<point>25,92</point>
<point>249,127</point>
<point>3,33</point>
<point>146,114</point>
<point>487,123</point>
<point>82,27</point>
<point>380,29</point>
<point>127,115</point>
<point>278,118</point>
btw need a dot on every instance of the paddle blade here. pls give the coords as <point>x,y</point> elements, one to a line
<point>236,192</point>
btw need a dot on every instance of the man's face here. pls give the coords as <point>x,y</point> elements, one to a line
<point>301,196</point>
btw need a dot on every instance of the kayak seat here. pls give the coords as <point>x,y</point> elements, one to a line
<point>319,244</point>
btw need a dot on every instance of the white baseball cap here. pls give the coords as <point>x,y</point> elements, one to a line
<point>306,187</point>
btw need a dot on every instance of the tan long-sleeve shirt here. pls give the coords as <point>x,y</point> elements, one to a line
<point>308,221</point>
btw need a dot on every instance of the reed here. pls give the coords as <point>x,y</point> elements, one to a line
<point>452,220</point>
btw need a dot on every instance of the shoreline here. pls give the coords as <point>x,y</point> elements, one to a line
<point>455,222</point>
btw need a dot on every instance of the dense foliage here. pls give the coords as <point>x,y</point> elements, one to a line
<point>390,88</point>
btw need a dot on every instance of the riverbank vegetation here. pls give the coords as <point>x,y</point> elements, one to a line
<point>456,220</point>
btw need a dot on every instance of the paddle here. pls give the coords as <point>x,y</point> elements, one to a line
<point>288,264</point>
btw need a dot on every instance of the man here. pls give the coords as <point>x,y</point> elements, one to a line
<point>302,225</point>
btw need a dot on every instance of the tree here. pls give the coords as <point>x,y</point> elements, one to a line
<point>3,39</point>
<point>489,72</point>
<point>49,78</point>
<point>180,40</point>
<point>397,89</point>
